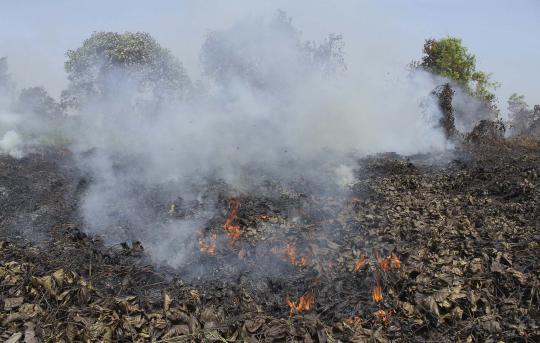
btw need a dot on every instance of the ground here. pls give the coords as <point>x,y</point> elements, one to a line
<point>418,250</point>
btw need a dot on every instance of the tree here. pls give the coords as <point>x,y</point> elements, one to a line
<point>448,57</point>
<point>36,100</point>
<point>521,117</point>
<point>518,113</point>
<point>268,55</point>
<point>109,62</point>
<point>6,84</point>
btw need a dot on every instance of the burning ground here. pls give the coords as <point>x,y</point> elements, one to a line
<point>414,251</point>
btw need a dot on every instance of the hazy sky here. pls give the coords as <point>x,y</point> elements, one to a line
<point>504,35</point>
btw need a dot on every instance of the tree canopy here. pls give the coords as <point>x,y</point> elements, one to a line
<point>268,54</point>
<point>6,84</point>
<point>448,57</point>
<point>520,116</point>
<point>36,100</point>
<point>109,60</point>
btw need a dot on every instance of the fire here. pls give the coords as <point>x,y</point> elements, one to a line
<point>360,263</point>
<point>385,264</point>
<point>208,248</point>
<point>382,316</point>
<point>290,251</point>
<point>304,303</point>
<point>388,262</point>
<point>233,230</point>
<point>376,294</point>
<point>395,262</point>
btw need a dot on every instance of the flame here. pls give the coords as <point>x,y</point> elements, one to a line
<point>233,231</point>
<point>290,251</point>
<point>395,262</point>
<point>304,303</point>
<point>384,263</point>
<point>360,263</point>
<point>387,262</point>
<point>208,248</point>
<point>376,294</point>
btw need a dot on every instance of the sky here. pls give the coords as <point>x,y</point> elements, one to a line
<point>504,35</point>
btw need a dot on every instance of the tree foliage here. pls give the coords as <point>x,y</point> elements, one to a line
<point>109,61</point>
<point>521,117</point>
<point>268,54</point>
<point>37,101</point>
<point>448,57</point>
<point>6,84</point>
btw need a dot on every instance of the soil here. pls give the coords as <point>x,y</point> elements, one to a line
<point>418,250</point>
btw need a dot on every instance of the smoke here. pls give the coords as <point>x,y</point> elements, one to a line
<point>269,106</point>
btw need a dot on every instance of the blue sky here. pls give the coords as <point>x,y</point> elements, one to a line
<point>504,35</point>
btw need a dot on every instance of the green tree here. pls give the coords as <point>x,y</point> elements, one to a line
<point>448,57</point>
<point>109,62</point>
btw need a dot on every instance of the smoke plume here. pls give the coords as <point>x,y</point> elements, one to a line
<point>268,105</point>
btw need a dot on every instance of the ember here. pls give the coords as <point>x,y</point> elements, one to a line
<point>382,316</point>
<point>304,303</point>
<point>395,262</point>
<point>210,247</point>
<point>353,321</point>
<point>360,263</point>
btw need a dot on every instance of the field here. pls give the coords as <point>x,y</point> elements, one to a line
<point>419,249</point>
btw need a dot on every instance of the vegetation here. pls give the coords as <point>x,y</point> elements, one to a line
<point>260,55</point>
<point>36,100</point>
<point>448,57</point>
<point>521,117</point>
<point>6,84</point>
<point>108,60</point>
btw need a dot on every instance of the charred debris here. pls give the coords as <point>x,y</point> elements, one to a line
<point>414,252</point>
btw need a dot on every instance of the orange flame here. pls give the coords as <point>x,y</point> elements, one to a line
<point>389,261</point>
<point>360,263</point>
<point>395,262</point>
<point>208,248</point>
<point>376,294</point>
<point>233,230</point>
<point>304,303</point>
<point>290,251</point>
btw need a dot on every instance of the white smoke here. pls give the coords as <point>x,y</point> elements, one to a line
<point>11,144</point>
<point>270,112</point>
<point>267,107</point>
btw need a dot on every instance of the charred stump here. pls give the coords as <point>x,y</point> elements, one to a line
<point>487,131</point>
<point>445,94</point>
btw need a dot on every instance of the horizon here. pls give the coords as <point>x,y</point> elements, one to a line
<point>35,38</point>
